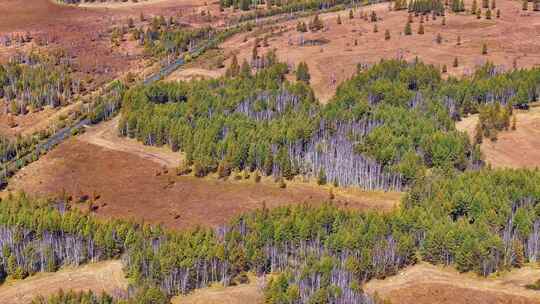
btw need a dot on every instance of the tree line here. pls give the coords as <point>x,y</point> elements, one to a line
<point>384,128</point>
<point>322,253</point>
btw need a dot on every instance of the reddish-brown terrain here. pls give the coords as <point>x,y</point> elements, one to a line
<point>518,148</point>
<point>426,284</point>
<point>131,183</point>
<point>99,277</point>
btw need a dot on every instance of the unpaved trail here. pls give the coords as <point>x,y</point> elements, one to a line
<point>518,148</point>
<point>103,276</point>
<point>426,283</point>
<point>106,135</point>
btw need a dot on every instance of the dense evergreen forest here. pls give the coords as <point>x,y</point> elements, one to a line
<point>383,129</point>
<point>323,254</point>
<point>31,81</point>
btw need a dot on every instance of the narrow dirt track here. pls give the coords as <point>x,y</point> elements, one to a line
<point>106,135</point>
<point>103,276</point>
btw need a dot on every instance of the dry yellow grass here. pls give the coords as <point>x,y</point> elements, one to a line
<point>518,148</point>
<point>103,276</point>
<point>425,283</point>
<point>242,294</point>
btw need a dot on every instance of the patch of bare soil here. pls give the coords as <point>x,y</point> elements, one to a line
<point>131,183</point>
<point>425,283</point>
<point>194,74</point>
<point>106,135</point>
<point>33,122</point>
<point>511,37</point>
<point>518,148</point>
<point>251,293</point>
<point>98,277</point>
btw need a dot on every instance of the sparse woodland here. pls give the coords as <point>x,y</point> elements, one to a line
<point>31,81</point>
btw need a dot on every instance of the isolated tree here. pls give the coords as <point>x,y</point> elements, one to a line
<point>525,6</point>
<point>410,18</point>
<point>456,63</point>
<point>130,23</point>
<point>485,3</point>
<point>421,29</point>
<point>444,21</point>
<point>478,14</point>
<point>254,52</point>
<point>141,17</point>
<point>493,4</point>
<point>339,19</point>
<point>301,27</point>
<point>444,69</point>
<point>514,122</point>
<point>408,30</point>
<point>387,35</point>
<point>439,39</point>
<point>484,49</point>
<point>234,68</point>
<point>351,14</point>
<point>302,72</point>
<point>478,134</point>
<point>321,178</point>
<point>536,5</point>
<point>375,28</point>
<point>245,69</point>
<point>474,7</point>
<point>373,16</point>
<point>488,14</point>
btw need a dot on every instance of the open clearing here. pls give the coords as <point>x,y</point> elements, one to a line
<point>425,283</point>
<point>84,33</point>
<point>334,57</point>
<point>512,149</point>
<point>98,277</point>
<point>131,181</point>
<point>241,294</point>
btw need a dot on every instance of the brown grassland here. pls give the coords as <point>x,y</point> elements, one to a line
<point>425,283</point>
<point>103,276</point>
<point>139,182</point>
<point>518,148</point>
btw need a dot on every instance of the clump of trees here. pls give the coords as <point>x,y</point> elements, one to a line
<point>316,24</point>
<point>302,72</point>
<point>31,81</point>
<point>492,119</point>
